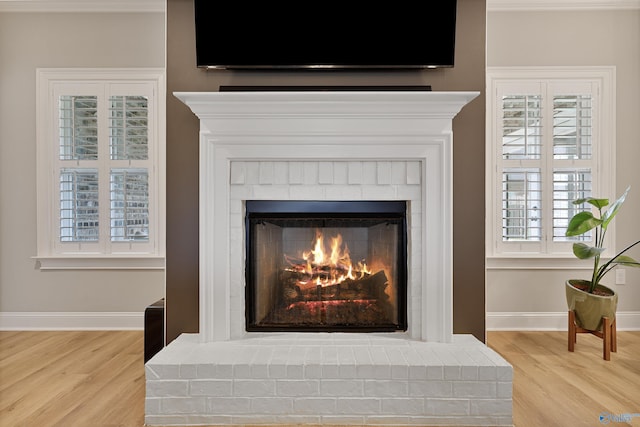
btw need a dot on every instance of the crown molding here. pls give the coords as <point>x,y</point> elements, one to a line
<point>557,5</point>
<point>83,6</point>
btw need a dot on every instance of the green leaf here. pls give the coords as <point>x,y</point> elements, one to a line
<point>626,260</point>
<point>581,223</point>
<point>598,203</point>
<point>582,251</point>
<point>613,210</point>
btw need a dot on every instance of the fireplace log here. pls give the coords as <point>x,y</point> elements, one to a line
<point>369,287</point>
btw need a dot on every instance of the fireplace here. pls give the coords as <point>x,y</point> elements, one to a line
<point>333,266</point>
<point>294,170</point>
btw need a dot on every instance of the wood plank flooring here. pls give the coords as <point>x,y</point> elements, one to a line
<point>87,379</point>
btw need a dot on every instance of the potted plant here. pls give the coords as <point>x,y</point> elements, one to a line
<point>589,299</point>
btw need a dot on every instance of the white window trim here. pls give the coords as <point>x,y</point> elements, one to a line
<point>605,161</point>
<point>47,258</point>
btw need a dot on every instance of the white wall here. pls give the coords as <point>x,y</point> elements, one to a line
<point>33,40</point>
<point>535,298</point>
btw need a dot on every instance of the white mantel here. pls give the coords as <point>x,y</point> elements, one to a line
<point>365,127</point>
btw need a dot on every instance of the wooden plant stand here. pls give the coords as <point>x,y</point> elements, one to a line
<point>608,335</point>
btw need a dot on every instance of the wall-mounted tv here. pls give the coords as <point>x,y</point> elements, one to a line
<point>324,35</point>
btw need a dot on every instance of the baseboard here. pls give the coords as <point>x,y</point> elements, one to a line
<point>60,321</point>
<point>550,321</point>
<point>496,321</point>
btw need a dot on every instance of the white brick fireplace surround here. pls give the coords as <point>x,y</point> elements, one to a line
<point>316,145</point>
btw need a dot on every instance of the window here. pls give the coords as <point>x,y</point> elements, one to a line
<point>550,140</point>
<point>100,181</point>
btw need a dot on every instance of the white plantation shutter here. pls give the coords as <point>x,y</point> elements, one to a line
<point>129,205</point>
<point>102,147</point>
<point>545,150</point>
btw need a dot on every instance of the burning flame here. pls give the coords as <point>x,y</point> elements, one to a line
<point>325,268</point>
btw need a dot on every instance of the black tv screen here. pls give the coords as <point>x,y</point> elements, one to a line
<point>395,35</point>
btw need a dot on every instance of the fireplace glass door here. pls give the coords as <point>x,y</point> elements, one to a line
<point>326,266</point>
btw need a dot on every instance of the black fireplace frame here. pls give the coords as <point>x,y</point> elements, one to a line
<point>396,211</point>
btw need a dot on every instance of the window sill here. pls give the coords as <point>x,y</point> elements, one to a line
<point>547,262</point>
<point>117,262</point>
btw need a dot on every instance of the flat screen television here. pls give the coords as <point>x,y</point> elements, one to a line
<point>275,35</point>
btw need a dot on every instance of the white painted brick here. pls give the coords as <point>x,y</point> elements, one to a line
<point>270,192</point>
<point>152,405</point>
<point>188,371</point>
<point>280,172</point>
<point>504,390</point>
<point>212,388</point>
<point>432,388</point>
<point>340,173</point>
<point>412,192</point>
<point>296,173</point>
<point>447,407</point>
<point>398,173</point>
<point>252,173</point>
<point>350,388</point>
<point>504,373</point>
<point>249,388</point>
<point>150,373</point>
<point>384,172</point>
<point>413,173</point>
<point>364,406</point>
<point>164,371</point>
<point>340,192</point>
<point>307,192</point>
<point>476,389</point>
<point>315,405</point>
<point>469,373</point>
<point>241,192</point>
<point>312,371</point>
<point>366,371</point>
<point>229,405</point>
<point>378,192</point>
<point>308,388</point>
<point>417,372</point>
<point>167,388</point>
<point>325,173</point>
<point>223,371</point>
<point>237,173</point>
<point>295,371</point>
<point>331,370</point>
<point>278,370</point>
<point>452,372</point>
<point>183,405</point>
<point>369,173</point>
<point>355,173</point>
<point>491,407</point>
<point>259,370</point>
<point>487,373</point>
<point>399,372</point>
<point>310,173</point>
<point>176,420</point>
<point>404,406</point>
<point>386,388</point>
<point>208,419</point>
<point>272,405</point>
<point>266,173</point>
<point>207,370</point>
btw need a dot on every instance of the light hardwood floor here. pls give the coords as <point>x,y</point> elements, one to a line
<point>87,379</point>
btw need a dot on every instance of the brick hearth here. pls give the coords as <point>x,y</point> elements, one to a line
<point>339,378</point>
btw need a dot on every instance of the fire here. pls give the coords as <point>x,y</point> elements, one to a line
<point>321,267</point>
